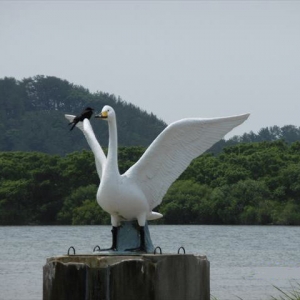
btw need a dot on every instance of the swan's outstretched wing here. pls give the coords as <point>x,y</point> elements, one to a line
<point>174,149</point>
<point>87,130</point>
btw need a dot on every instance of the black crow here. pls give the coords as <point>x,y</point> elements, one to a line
<point>87,113</point>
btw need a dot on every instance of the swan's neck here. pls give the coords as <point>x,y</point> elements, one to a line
<point>112,155</point>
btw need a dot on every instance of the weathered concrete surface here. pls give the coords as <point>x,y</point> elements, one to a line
<point>136,277</point>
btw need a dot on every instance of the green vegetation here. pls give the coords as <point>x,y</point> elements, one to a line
<point>251,179</point>
<point>293,295</point>
<point>253,183</point>
<point>32,116</point>
<point>32,119</point>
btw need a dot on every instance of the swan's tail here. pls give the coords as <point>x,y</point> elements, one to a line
<point>154,215</point>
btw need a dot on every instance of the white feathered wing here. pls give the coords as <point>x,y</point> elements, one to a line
<point>174,149</point>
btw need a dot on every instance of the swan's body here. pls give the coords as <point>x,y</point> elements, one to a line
<point>138,191</point>
<point>120,195</point>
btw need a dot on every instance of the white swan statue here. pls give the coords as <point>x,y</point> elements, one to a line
<point>133,195</point>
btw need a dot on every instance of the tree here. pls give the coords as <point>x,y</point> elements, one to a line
<point>15,202</point>
<point>90,213</point>
<point>76,199</point>
<point>186,202</point>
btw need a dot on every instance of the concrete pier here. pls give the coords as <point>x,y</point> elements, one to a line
<point>127,277</point>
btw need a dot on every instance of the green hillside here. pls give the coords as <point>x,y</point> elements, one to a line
<point>32,116</point>
<point>32,119</point>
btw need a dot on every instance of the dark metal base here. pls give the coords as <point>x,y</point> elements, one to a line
<point>128,237</point>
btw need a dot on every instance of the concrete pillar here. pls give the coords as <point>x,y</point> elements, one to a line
<point>132,277</point>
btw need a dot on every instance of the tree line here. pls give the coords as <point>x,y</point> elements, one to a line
<point>32,116</point>
<point>32,119</point>
<point>247,183</point>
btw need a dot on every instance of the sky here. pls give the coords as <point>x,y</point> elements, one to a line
<point>176,59</point>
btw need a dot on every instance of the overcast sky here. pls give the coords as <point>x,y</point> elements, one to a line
<point>176,59</point>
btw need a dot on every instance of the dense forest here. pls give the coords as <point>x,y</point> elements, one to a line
<point>32,119</point>
<point>248,183</point>
<point>32,116</point>
<point>48,176</point>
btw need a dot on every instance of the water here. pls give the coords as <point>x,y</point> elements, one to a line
<point>246,261</point>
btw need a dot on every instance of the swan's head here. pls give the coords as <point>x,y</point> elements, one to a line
<point>107,113</point>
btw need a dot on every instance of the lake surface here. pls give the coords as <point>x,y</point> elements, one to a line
<point>246,261</point>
